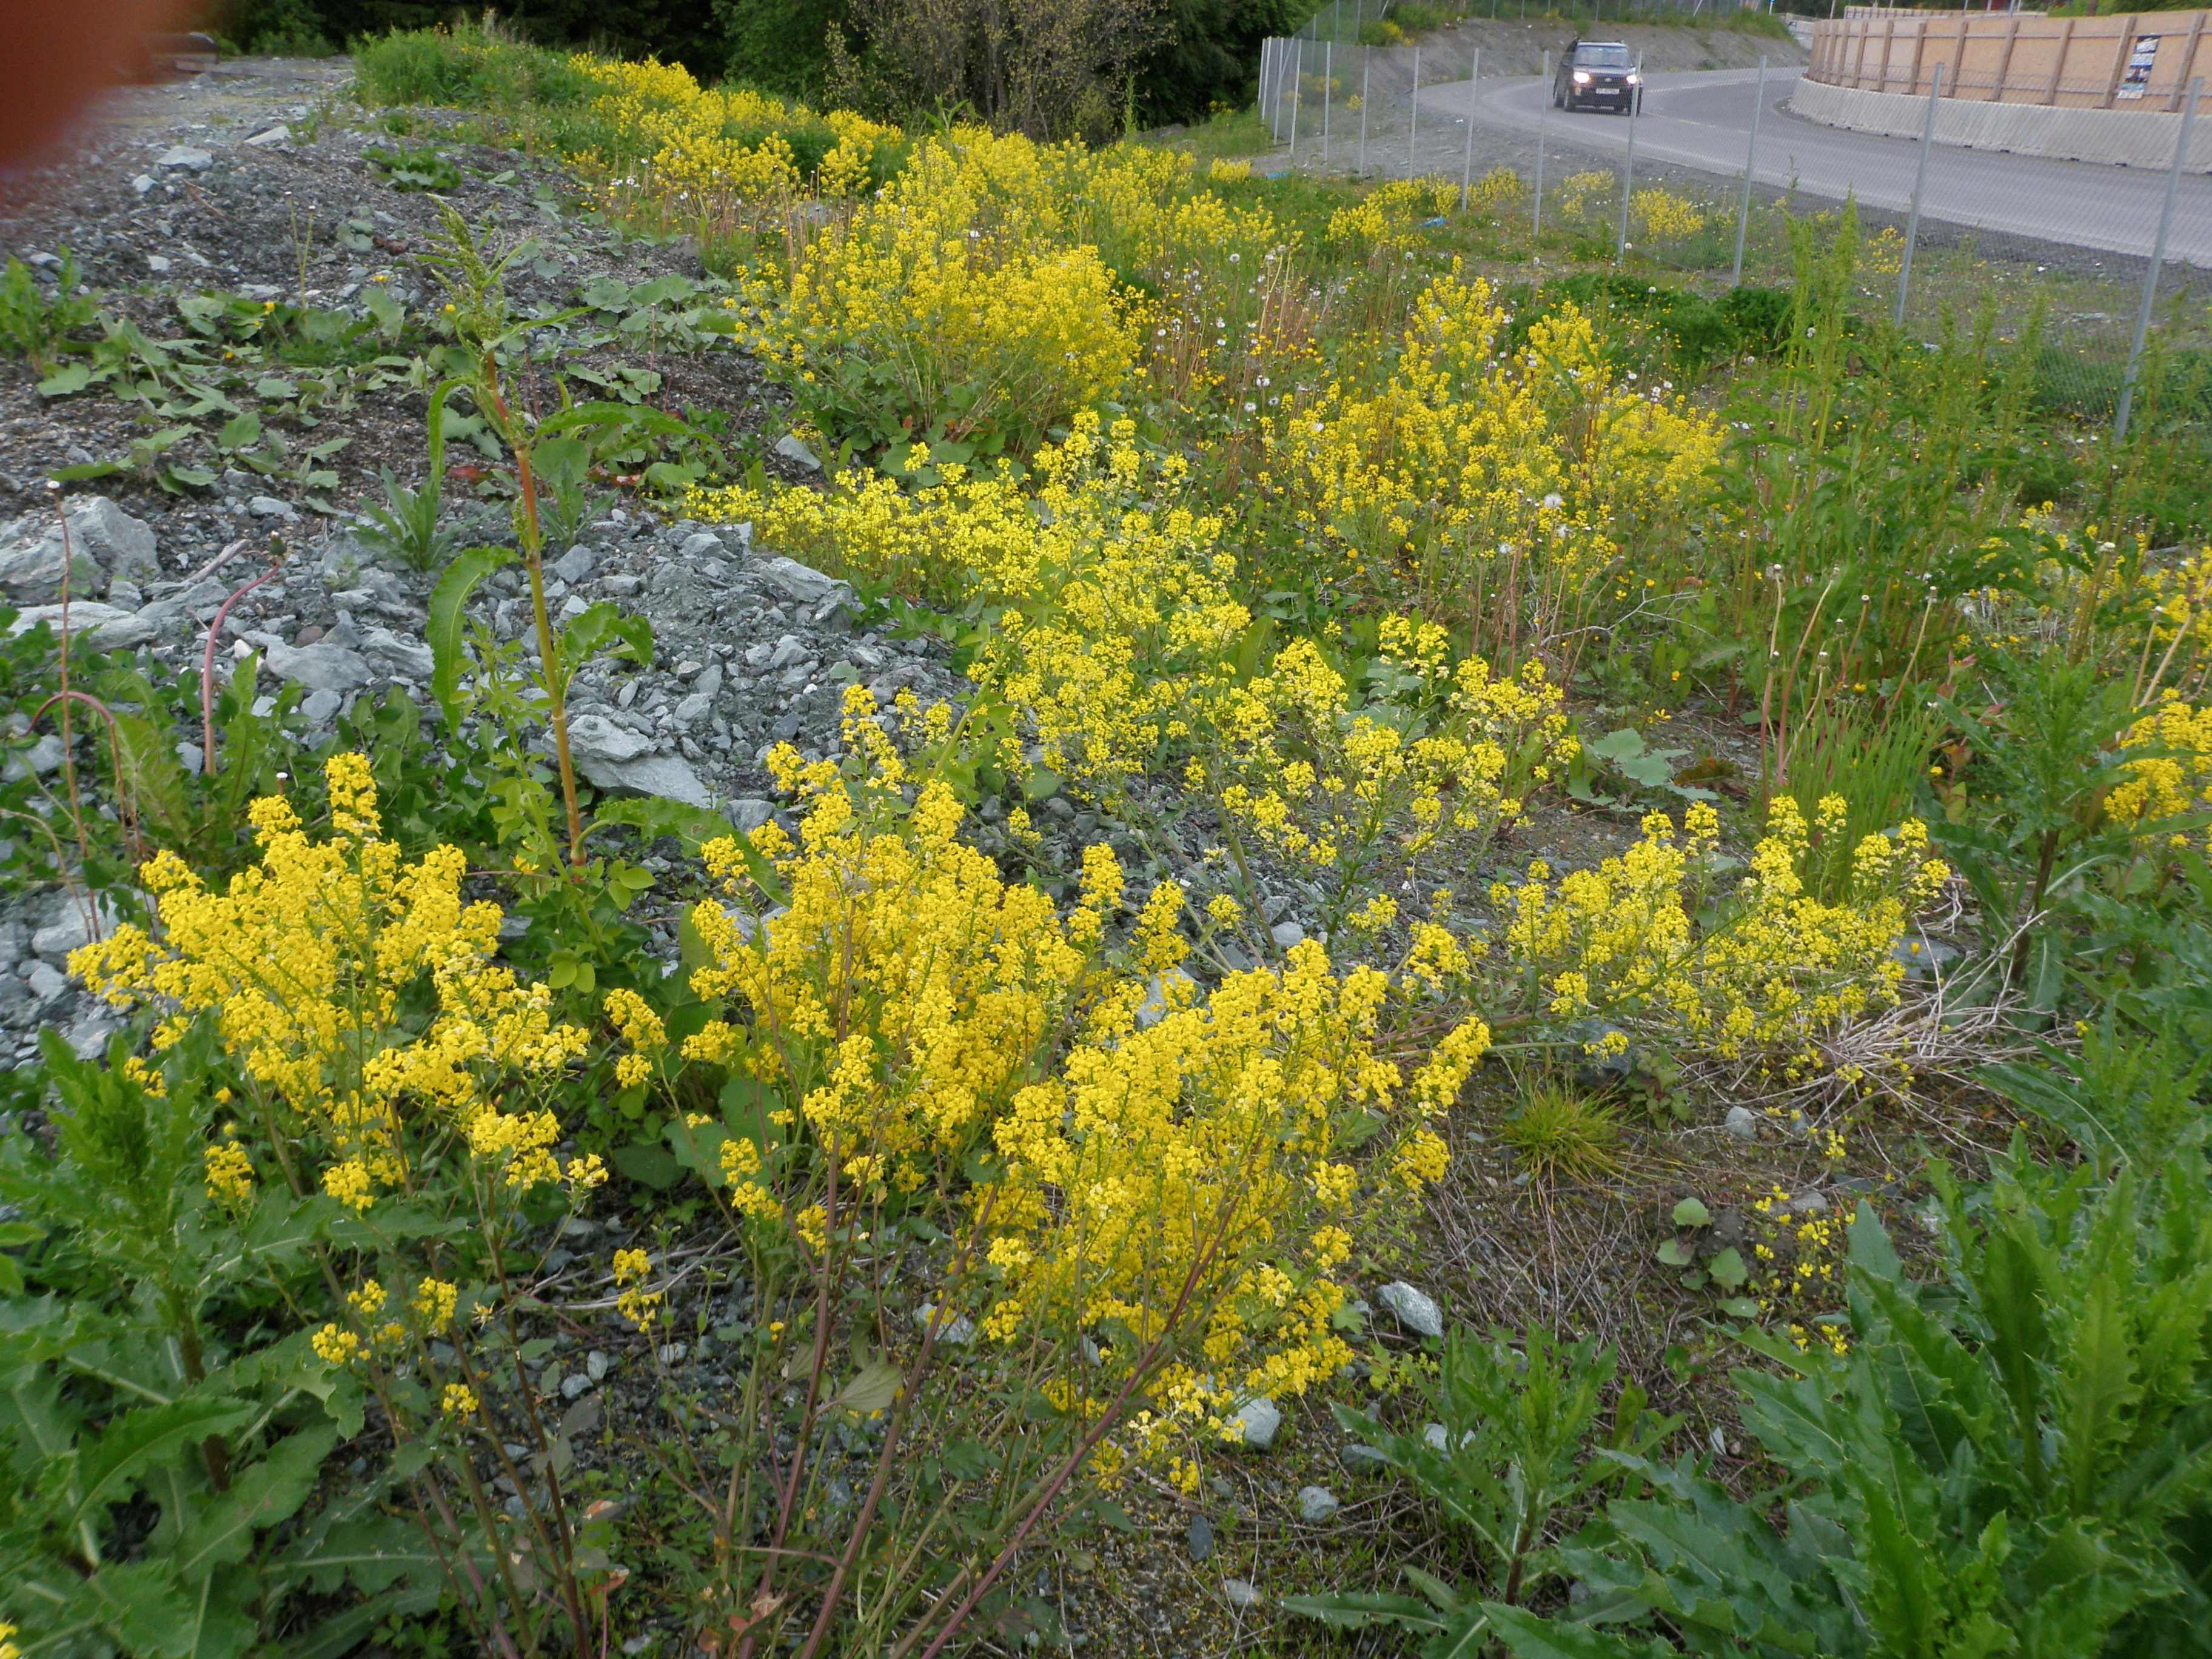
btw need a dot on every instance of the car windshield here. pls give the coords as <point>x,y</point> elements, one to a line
<point>1601,57</point>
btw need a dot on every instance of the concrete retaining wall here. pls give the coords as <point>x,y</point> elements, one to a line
<point>2138,138</point>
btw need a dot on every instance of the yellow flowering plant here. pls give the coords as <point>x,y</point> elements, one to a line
<point>1491,487</point>
<point>402,1091</point>
<point>1149,1192</point>
<point>1649,945</point>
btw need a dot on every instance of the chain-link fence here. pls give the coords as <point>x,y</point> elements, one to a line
<point>1353,23</point>
<point>2130,283</point>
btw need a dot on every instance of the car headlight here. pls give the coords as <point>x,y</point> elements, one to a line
<point>1635,80</point>
<point>1581,77</point>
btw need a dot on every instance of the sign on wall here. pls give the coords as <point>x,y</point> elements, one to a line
<point>2136,81</point>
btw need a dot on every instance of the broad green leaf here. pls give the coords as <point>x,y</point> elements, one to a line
<point>132,1443</point>
<point>1691,1214</point>
<point>447,623</point>
<point>874,1388</point>
<point>264,1494</point>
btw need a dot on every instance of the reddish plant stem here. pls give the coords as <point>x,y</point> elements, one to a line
<point>207,663</point>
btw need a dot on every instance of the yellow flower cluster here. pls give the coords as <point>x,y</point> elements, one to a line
<point>639,1306</point>
<point>1160,1160</point>
<point>1388,218</point>
<point>956,303</point>
<point>1661,214</point>
<point>2176,777</point>
<point>1798,1266</point>
<point>303,962</point>
<point>1330,786</point>
<point>718,157</point>
<point>1472,464</point>
<point>229,1174</point>
<point>1777,971</point>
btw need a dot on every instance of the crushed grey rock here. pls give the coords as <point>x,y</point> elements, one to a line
<point>184,158</point>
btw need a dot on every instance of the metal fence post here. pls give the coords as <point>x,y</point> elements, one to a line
<point>1536,219</point>
<point>1628,171</point>
<point>2157,258</point>
<point>1467,162</point>
<point>1413,120</point>
<point>1919,181</point>
<point>1750,157</point>
<point>1298,78</point>
<point>1366,67</point>
<point>1328,84</point>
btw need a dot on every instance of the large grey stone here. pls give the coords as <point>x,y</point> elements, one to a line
<point>101,627</point>
<point>73,926</point>
<point>123,546</point>
<point>615,757</point>
<point>750,811</point>
<point>799,581</point>
<point>1317,1504</point>
<point>41,758</point>
<point>1742,1123</point>
<point>184,158</point>
<point>87,1035</point>
<point>1415,1309</point>
<point>403,659</point>
<point>1255,1423</point>
<point>319,667</point>
<point>578,562</point>
<point>792,449</point>
<point>31,567</point>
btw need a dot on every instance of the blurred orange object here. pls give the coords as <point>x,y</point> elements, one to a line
<point>55,54</point>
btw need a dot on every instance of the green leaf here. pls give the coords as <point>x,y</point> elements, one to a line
<point>1672,1253</point>
<point>1728,1269</point>
<point>1528,1636</point>
<point>270,1492</point>
<point>136,1441</point>
<point>875,1388</point>
<point>87,469</point>
<point>241,432</point>
<point>68,379</point>
<point>141,1603</point>
<point>1360,1609</point>
<point>447,625</point>
<point>1690,1214</point>
<point>646,1164</point>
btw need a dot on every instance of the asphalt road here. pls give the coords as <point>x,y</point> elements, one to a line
<point>1703,121</point>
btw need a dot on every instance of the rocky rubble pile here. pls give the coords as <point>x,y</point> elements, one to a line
<point>751,649</point>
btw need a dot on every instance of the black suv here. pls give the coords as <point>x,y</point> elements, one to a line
<point>1597,75</point>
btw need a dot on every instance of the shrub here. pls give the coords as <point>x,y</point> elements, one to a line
<point>468,66</point>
